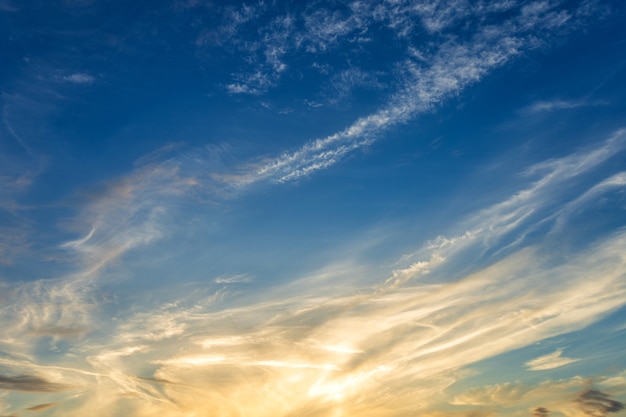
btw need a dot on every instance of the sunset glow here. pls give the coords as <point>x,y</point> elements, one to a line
<point>365,208</point>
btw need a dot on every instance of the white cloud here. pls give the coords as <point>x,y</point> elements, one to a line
<point>317,30</point>
<point>446,72</point>
<point>412,333</point>
<point>79,78</point>
<point>549,361</point>
<point>233,279</point>
<point>572,397</point>
<point>558,104</point>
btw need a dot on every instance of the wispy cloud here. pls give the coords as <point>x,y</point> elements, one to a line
<point>427,83</point>
<point>343,83</point>
<point>573,397</point>
<point>233,279</point>
<point>412,333</point>
<point>79,78</point>
<point>126,214</point>
<point>558,104</point>
<point>41,407</point>
<point>286,352</point>
<point>31,383</point>
<point>549,361</point>
<point>316,30</point>
<point>122,215</point>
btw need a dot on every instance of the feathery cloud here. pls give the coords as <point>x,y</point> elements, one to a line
<point>429,81</point>
<point>412,333</point>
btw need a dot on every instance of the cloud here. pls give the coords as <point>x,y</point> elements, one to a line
<point>427,83</point>
<point>316,30</point>
<point>558,104</point>
<point>557,393</point>
<point>120,216</point>
<point>412,332</point>
<point>79,78</point>
<point>423,333</point>
<point>13,103</point>
<point>590,197</point>
<point>31,383</point>
<point>571,397</point>
<point>595,403</point>
<point>54,308</point>
<point>395,345</point>
<point>549,361</point>
<point>126,214</point>
<point>41,407</point>
<point>450,321</point>
<point>344,82</point>
<point>541,412</point>
<point>324,28</point>
<point>233,279</point>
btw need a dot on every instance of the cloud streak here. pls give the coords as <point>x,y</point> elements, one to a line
<point>549,361</point>
<point>41,407</point>
<point>488,287</point>
<point>31,383</point>
<point>79,78</point>
<point>412,334</point>
<point>429,80</point>
<point>558,104</point>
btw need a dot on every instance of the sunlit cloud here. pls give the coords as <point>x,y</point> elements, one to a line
<point>355,335</point>
<point>573,397</point>
<point>549,361</point>
<point>233,279</point>
<point>328,347</point>
<point>347,346</point>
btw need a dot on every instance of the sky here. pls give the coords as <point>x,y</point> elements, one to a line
<point>352,208</point>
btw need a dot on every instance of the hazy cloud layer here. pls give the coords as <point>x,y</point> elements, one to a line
<point>315,348</point>
<point>89,337</point>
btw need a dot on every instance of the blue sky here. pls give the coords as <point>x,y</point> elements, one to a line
<point>324,209</point>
